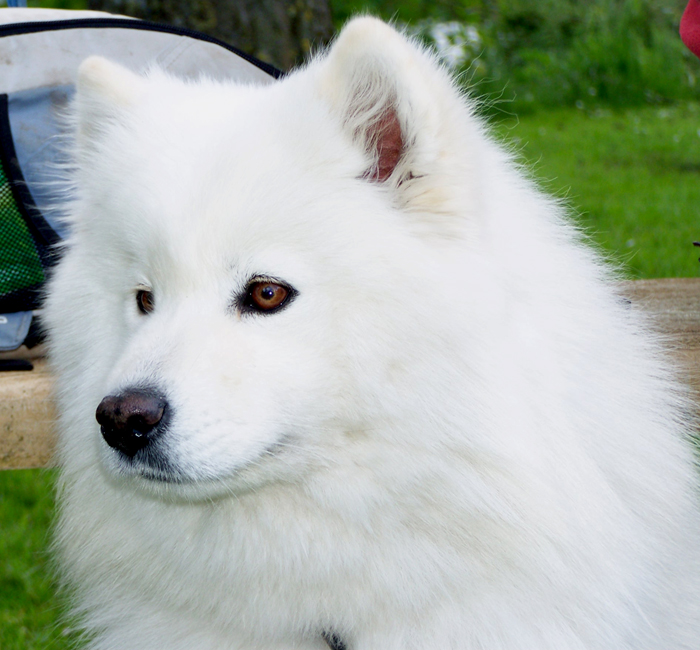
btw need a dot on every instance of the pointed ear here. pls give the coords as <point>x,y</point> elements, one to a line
<point>105,91</point>
<point>391,96</point>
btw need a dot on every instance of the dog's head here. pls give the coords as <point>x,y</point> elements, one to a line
<point>261,279</point>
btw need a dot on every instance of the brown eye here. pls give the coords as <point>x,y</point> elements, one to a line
<point>144,301</point>
<point>266,296</point>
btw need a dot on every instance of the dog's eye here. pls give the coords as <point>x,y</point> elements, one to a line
<point>267,296</point>
<point>145,301</point>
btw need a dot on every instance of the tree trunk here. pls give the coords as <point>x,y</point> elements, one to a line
<point>280,32</point>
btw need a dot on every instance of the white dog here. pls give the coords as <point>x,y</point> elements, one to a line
<point>357,382</point>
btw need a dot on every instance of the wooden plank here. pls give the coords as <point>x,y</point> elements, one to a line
<point>675,305</point>
<point>26,418</point>
<point>27,414</point>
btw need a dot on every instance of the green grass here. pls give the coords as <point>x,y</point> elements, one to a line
<point>29,615</point>
<point>634,178</point>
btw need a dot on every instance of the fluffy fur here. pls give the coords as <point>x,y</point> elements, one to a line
<point>457,435</point>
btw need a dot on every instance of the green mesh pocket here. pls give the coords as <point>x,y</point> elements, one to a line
<point>20,266</point>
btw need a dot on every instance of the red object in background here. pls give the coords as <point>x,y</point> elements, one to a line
<point>690,27</point>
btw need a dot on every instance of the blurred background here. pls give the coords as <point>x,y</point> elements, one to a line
<point>599,100</point>
<point>532,52</point>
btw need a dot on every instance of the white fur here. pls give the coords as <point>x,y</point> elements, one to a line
<point>457,435</point>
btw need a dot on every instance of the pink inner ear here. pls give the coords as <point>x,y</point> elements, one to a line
<point>386,136</point>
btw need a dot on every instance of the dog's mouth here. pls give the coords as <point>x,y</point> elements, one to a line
<point>151,465</point>
<point>156,477</point>
<point>153,470</point>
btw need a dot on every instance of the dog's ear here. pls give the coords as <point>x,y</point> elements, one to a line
<point>105,92</point>
<point>362,79</point>
<point>403,109</point>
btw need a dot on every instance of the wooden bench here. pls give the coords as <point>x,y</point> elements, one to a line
<point>27,414</point>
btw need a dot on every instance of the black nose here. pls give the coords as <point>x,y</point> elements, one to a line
<point>131,420</point>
